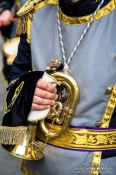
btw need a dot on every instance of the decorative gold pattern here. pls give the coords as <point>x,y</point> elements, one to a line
<point>81,20</point>
<point>85,139</point>
<point>22,25</point>
<point>104,124</point>
<point>96,163</point>
<point>52,1</point>
<point>27,7</point>
<point>39,6</point>
<point>12,135</point>
<point>109,109</point>
<point>29,21</point>
<point>34,5</point>
<point>16,94</point>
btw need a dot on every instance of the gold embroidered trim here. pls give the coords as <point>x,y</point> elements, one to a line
<point>24,24</point>
<point>27,7</point>
<point>21,26</point>
<point>84,139</point>
<point>109,109</point>
<point>30,5</point>
<point>105,124</point>
<point>81,20</point>
<point>7,107</point>
<point>39,6</point>
<point>12,135</point>
<point>52,1</point>
<point>96,163</point>
<point>29,21</point>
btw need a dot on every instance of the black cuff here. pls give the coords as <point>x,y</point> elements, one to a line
<point>19,99</point>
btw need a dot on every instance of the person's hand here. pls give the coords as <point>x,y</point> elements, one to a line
<point>6,18</point>
<point>44,95</point>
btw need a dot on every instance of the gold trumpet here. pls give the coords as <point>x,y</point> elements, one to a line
<point>60,113</point>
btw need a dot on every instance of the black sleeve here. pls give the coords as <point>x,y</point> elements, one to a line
<point>6,5</point>
<point>22,63</point>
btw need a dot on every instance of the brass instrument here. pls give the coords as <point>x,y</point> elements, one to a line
<point>60,113</point>
<point>63,110</point>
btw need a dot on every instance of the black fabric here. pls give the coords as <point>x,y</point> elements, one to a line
<point>108,154</point>
<point>6,31</point>
<point>22,63</point>
<point>17,116</point>
<point>6,4</point>
<point>6,68</point>
<point>80,8</point>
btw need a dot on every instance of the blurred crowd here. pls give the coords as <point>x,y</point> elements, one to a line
<point>8,22</point>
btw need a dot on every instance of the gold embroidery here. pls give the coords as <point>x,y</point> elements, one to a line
<point>105,124</point>
<point>22,25</point>
<point>29,21</point>
<point>39,6</point>
<point>30,6</point>
<point>86,139</point>
<point>27,7</point>
<point>52,1</point>
<point>96,163</point>
<point>109,109</point>
<point>12,135</point>
<point>16,94</point>
<point>81,20</point>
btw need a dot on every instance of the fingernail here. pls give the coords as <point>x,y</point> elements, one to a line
<point>53,84</point>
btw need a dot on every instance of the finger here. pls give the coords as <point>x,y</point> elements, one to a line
<point>5,23</point>
<point>39,107</point>
<point>42,101</point>
<point>42,84</point>
<point>14,19</point>
<point>44,94</point>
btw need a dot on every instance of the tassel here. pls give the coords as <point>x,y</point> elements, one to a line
<point>22,26</point>
<point>12,135</point>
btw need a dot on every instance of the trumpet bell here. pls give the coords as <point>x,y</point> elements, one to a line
<point>30,152</point>
<point>29,149</point>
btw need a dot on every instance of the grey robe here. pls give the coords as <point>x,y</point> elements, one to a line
<point>93,67</point>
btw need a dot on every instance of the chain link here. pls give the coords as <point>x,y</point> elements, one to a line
<point>68,60</point>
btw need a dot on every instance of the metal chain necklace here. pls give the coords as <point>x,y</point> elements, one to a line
<point>68,60</point>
